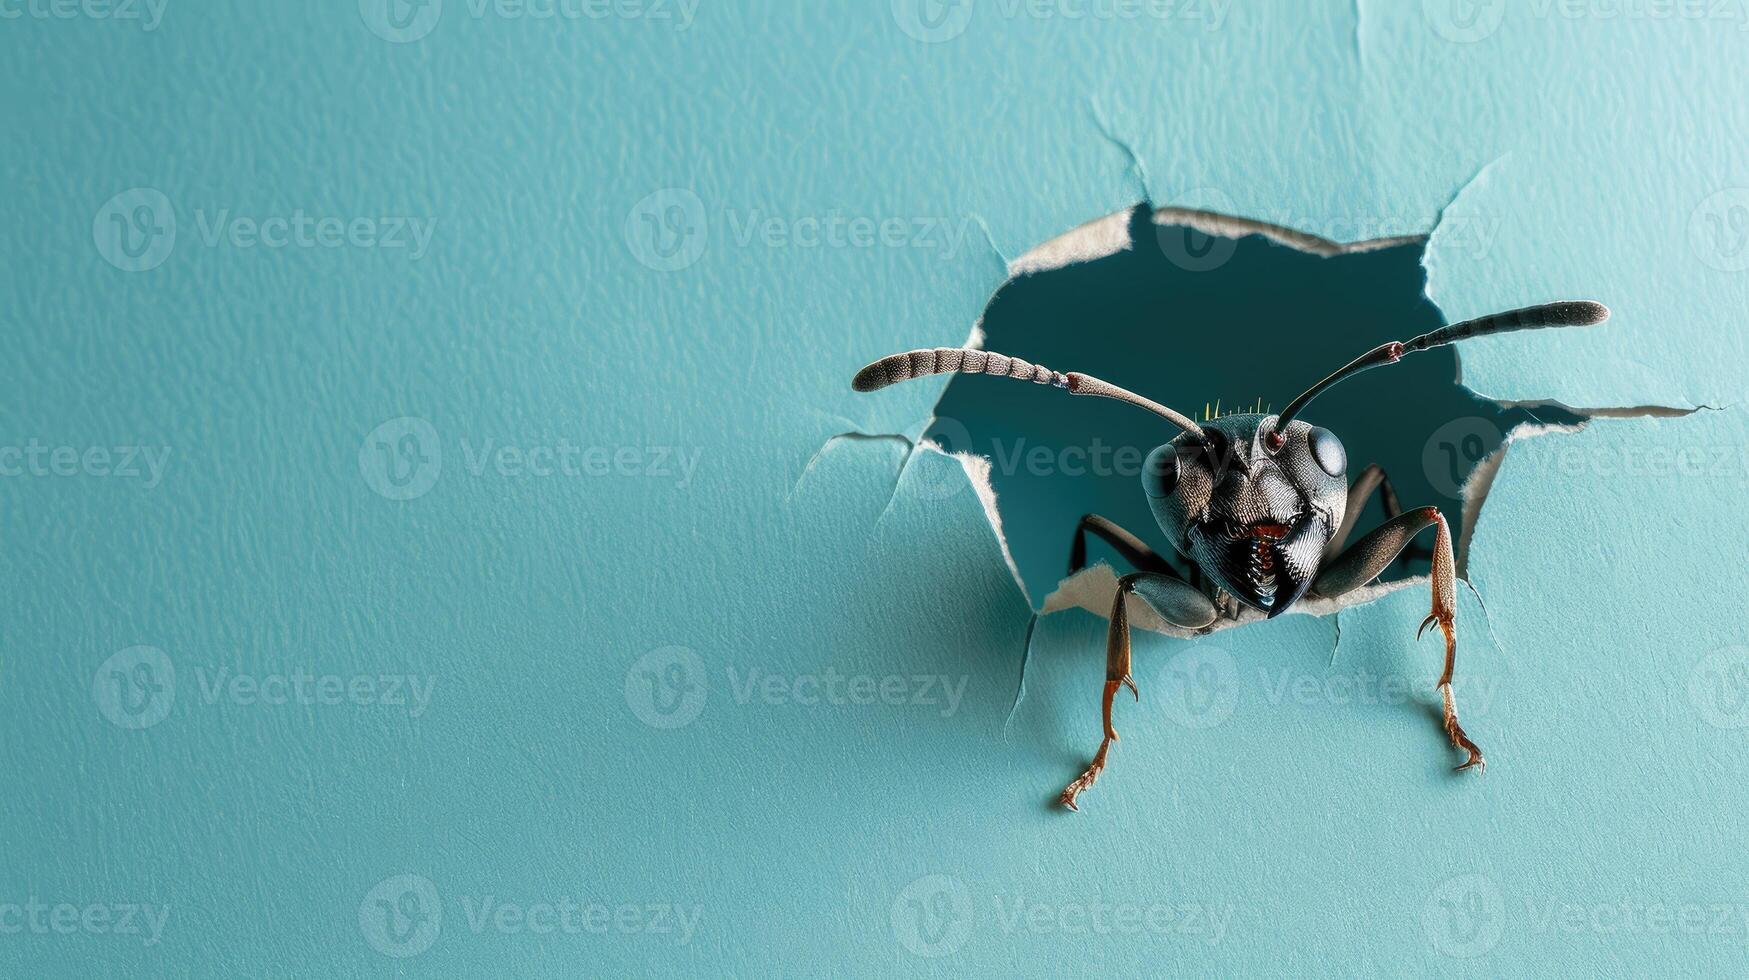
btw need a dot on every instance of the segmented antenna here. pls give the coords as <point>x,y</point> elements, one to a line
<point>895,368</point>
<point>1577,313</point>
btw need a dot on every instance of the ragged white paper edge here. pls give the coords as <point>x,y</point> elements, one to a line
<point>1093,588</point>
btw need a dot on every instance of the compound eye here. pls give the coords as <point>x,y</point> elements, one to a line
<point>1328,451</point>
<point>1160,472</point>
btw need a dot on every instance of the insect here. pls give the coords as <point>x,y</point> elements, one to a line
<point>1259,504</point>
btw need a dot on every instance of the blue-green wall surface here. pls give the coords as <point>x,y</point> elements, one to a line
<point>430,551</point>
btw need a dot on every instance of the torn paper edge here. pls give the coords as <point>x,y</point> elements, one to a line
<point>1226,226</point>
<point>1107,236</point>
<point>977,469</point>
<point>1087,242</point>
<point>1093,588</point>
<point>1480,482</point>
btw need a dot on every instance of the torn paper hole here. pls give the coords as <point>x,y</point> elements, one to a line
<point>1210,314</point>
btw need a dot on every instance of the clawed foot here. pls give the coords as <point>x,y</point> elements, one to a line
<point>1454,731</point>
<point>1087,778</point>
<point>1111,735</point>
<point>1074,789</point>
<point>1446,624</point>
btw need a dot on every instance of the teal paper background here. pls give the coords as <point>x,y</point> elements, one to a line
<point>1270,820</point>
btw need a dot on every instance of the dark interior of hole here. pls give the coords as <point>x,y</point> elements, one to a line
<point>1188,320</point>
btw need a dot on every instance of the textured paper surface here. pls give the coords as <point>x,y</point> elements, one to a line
<point>603,272</point>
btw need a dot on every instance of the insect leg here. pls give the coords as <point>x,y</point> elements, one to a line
<point>1133,549</point>
<point>1177,603</point>
<point>1370,479</point>
<point>1371,555</point>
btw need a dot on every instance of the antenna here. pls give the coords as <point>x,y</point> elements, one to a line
<point>895,368</point>
<point>1576,313</point>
